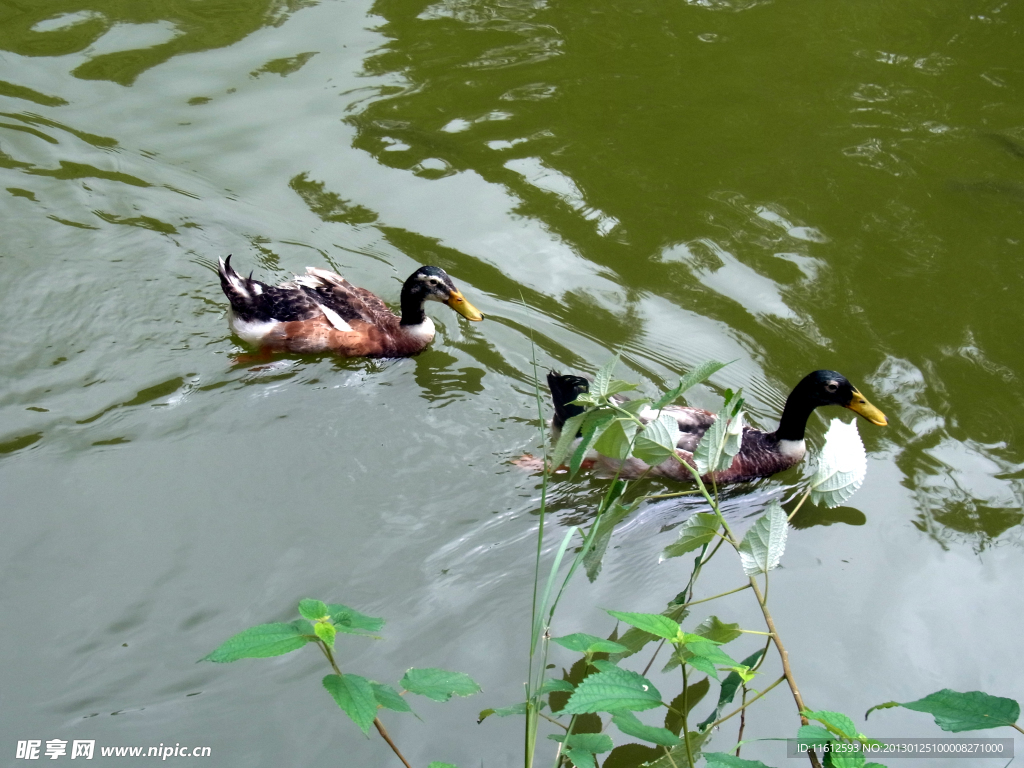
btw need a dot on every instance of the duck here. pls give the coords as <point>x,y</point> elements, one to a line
<point>321,311</point>
<point>761,453</point>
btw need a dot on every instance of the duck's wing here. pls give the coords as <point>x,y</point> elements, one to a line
<point>255,302</point>
<point>693,423</point>
<point>336,294</point>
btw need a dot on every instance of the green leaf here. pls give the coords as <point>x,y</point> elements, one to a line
<point>657,441</point>
<point>436,764</point>
<point>835,722</point>
<point>676,757</point>
<point>655,624</point>
<point>717,631</point>
<point>515,709</point>
<point>312,609</point>
<point>636,405</point>
<point>616,386</point>
<point>971,711</point>
<point>439,684</point>
<point>630,725</point>
<point>814,734</point>
<point>351,621</point>
<point>581,758</point>
<point>762,547</point>
<point>635,639</point>
<point>325,632</point>
<point>354,695</point>
<point>632,756</point>
<point>697,531</point>
<point>725,760</point>
<point>886,705</point>
<point>595,743</point>
<point>842,465</point>
<point>730,685</point>
<point>613,690</point>
<point>722,441</point>
<point>693,695</point>
<point>565,439</point>
<point>606,524</point>
<point>553,684</point>
<point>616,439</point>
<point>263,641</point>
<point>594,426</point>
<point>699,374</point>
<point>388,698</point>
<point>603,378</point>
<point>583,643</point>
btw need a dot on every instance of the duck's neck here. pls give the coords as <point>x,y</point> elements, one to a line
<point>412,307</point>
<point>794,416</point>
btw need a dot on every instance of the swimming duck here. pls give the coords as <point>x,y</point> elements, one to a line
<point>761,453</point>
<point>321,311</point>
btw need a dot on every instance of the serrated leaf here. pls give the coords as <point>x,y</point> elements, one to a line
<point>593,427</point>
<point>657,441</point>
<point>354,695</point>
<point>654,623</point>
<point>515,709</point>
<point>325,632</point>
<point>312,609</point>
<point>616,439</point>
<point>263,641</point>
<point>617,386</point>
<point>699,374</point>
<point>842,465</point>
<point>580,758</point>
<point>835,722</point>
<point>717,631</point>
<point>439,684</point>
<point>630,725</point>
<point>697,531</point>
<point>725,760</point>
<point>730,685</point>
<point>389,698</point>
<point>612,690</point>
<point>584,643</point>
<point>971,711</point>
<point>607,522</point>
<point>351,621</point>
<point>632,756</point>
<point>762,547</point>
<point>635,639</point>
<point>595,743</point>
<point>636,405</point>
<point>603,378</point>
<point>553,684</point>
<point>814,735</point>
<point>676,757</point>
<point>693,694</point>
<point>723,439</point>
<point>565,439</point>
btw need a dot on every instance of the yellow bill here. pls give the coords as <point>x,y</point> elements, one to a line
<point>859,404</point>
<point>457,302</point>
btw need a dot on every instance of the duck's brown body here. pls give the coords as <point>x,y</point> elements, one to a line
<point>321,311</point>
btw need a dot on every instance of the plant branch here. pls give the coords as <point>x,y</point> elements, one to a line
<point>736,711</point>
<point>715,597</point>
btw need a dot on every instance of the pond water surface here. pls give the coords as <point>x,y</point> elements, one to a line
<point>791,186</point>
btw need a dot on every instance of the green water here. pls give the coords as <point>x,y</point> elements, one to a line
<point>792,186</point>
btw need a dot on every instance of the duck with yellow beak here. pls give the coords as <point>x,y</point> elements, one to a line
<point>321,311</point>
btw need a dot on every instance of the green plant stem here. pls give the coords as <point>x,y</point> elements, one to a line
<point>1014,725</point>
<point>376,720</point>
<point>799,504</point>
<point>736,711</point>
<point>743,720</point>
<point>674,495</point>
<point>715,597</point>
<point>787,671</point>
<point>685,713</point>
<point>651,662</point>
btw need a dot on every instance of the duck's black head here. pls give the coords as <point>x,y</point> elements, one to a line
<point>823,388</point>
<point>433,284</point>
<point>565,389</point>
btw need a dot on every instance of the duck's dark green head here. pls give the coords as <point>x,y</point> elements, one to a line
<point>832,388</point>
<point>565,389</point>
<point>433,284</point>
